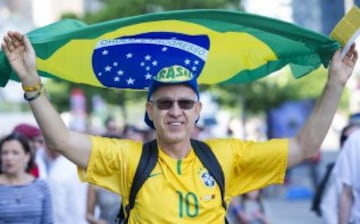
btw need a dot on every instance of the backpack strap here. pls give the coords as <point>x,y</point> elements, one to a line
<point>209,160</point>
<point>149,156</point>
<point>320,190</point>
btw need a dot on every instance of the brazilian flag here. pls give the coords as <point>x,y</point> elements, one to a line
<point>217,46</point>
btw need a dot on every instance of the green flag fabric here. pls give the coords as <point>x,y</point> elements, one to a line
<point>217,46</point>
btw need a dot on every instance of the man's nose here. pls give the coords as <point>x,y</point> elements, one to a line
<point>175,108</point>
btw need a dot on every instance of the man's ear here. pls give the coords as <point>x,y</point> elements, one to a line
<point>149,110</point>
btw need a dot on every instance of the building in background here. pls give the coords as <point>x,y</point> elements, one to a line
<point>307,13</point>
<point>25,15</point>
<point>317,15</point>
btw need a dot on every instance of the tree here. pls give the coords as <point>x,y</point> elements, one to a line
<point>256,98</point>
<point>117,9</point>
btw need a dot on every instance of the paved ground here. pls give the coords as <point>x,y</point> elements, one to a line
<point>291,212</point>
<point>283,210</point>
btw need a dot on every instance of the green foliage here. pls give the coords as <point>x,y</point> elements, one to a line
<point>69,15</point>
<point>117,9</point>
<point>58,92</point>
<point>271,91</point>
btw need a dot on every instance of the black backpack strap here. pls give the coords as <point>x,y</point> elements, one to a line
<point>209,160</point>
<point>148,159</point>
<point>319,193</point>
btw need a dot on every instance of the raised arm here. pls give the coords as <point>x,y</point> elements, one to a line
<point>21,56</point>
<point>309,139</point>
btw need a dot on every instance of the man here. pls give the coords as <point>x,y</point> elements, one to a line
<point>178,189</point>
<point>325,201</point>
<point>347,171</point>
<point>68,193</point>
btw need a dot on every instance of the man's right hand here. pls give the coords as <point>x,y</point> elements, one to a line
<point>21,56</point>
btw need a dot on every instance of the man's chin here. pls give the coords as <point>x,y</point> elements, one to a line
<point>175,137</point>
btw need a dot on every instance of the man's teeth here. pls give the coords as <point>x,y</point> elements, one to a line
<point>175,123</point>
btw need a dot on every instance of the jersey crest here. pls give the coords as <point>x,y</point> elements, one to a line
<point>206,178</point>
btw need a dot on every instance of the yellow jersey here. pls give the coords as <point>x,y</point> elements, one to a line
<point>182,191</point>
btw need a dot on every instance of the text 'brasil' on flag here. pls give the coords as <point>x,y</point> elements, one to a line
<point>217,46</point>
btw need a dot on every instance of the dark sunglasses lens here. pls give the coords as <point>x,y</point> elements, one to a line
<point>164,104</point>
<point>167,104</point>
<point>186,104</point>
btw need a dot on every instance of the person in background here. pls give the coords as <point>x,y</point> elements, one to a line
<point>107,202</point>
<point>249,209</point>
<point>111,128</point>
<point>39,148</point>
<point>325,200</point>
<point>33,133</point>
<point>183,190</point>
<point>23,199</point>
<point>134,133</point>
<point>68,193</point>
<point>347,170</point>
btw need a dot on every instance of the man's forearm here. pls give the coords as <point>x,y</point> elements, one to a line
<point>75,146</point>
<point>310,137</point>
<point>50,122</point>
<point>313,133</point>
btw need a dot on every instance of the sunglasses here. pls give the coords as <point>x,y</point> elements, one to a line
<point>167,104</point>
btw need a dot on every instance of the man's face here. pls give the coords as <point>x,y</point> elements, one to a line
<point>173,110</point>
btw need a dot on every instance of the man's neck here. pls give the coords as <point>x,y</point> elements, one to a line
<point>176,150</point>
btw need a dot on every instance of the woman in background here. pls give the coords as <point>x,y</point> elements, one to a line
<point>23,199</point>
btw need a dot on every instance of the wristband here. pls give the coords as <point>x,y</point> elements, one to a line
<point>32,88</point>
<point>38,93</point>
